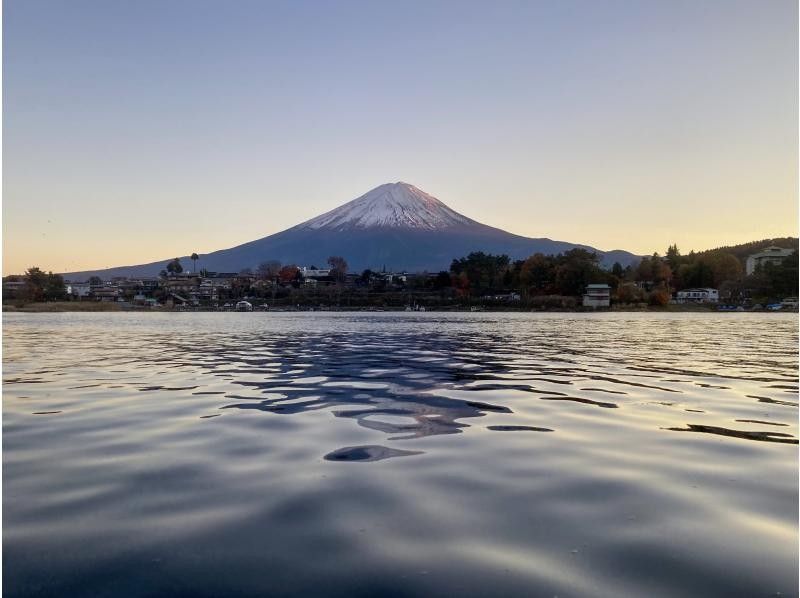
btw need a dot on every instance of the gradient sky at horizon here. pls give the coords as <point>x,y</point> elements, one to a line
<point>136,131</point>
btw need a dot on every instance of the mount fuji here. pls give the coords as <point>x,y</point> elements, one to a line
<point>395,225</point>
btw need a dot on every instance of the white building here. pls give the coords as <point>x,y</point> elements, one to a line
<point>314,273</point>
<point>512,296</point>
<point>770,255</point>
<point>80,290</point>
<point>704,295</point>
<point>597,295</point>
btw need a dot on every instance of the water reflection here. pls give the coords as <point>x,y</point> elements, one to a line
<point>366,453</point>
<point>258,454</point>
<point>393,376</point>
<point>518,429</point>
<point>424,381</point>
<point>747,434</point>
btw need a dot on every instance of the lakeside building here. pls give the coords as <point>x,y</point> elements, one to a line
<point>314,276</point>
<point>769,255</point>
<point>391,277</point>
<point>507,297</point>
<point>597,295</point>
<point>79,290</point>
<point>106,293</point>
<point>314,272</point>
<point>704,295</point>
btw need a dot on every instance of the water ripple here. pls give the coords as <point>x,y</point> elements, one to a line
<point>400,454</point>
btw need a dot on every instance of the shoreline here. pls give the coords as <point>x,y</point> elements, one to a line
<point>108,307</point>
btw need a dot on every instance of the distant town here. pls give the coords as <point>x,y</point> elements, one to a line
<point>761,275</point>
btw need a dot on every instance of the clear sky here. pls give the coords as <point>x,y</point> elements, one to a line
<point>135,131</point>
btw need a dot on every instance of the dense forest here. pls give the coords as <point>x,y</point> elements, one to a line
<point>654,280</point>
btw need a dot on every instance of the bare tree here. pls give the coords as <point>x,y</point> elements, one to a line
<point>268,270</point>
<point>338,267</point>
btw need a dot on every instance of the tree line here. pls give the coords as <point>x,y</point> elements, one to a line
<point>722,269</point>
<point>653,280</point>
<point>38,285</point>
<point>561,278</point>
<point>566,273</point>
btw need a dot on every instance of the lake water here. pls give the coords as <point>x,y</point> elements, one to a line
<point>394,454</point>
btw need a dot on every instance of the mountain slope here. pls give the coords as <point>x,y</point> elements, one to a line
<point>394,225</point>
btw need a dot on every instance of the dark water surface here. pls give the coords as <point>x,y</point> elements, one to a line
<point>392,454</point>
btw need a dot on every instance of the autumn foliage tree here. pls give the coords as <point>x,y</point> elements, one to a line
<point>563,274</point>
<point>721,268</point>
<point>288,274</point>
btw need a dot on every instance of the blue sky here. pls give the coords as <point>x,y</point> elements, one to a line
<point>135,131</point>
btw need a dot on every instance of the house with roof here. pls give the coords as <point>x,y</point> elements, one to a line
<point>597,295</point>
<point>313,276</point>
<point>79,290</point>
<point>105,293</point>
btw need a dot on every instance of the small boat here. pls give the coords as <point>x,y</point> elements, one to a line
<point>244,306</point>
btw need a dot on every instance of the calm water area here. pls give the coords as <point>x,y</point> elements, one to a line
<point>400,454</point>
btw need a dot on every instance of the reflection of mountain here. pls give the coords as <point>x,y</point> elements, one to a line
<point>395,225</point>
<point>382,390</point>
<point>404,385</point>
<point>405,380</point>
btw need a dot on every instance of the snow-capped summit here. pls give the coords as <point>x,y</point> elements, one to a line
<point>393,205</point>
